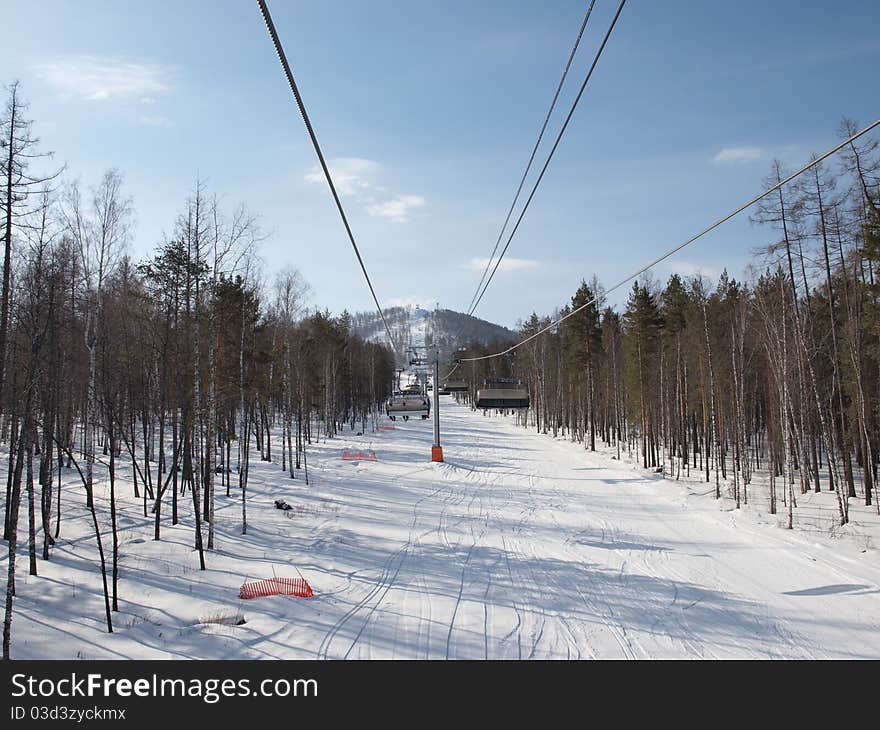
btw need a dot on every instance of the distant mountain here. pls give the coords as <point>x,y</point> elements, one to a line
<point>414,326</point>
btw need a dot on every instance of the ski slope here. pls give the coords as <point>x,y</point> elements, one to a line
<point>518,547</point>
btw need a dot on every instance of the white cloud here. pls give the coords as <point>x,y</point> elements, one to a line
<point>738,155</point>
<point>155,121</point>
<point>507,264</point>
<point>397,207</point>
<point>100,78</point>
<point>351,175</point>
<point>355,177</point>
<point>690,268</point>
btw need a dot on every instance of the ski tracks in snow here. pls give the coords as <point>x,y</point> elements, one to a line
<point>520,547</point>
<point>364,609</point>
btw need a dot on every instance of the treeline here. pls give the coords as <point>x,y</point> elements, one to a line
<point>172,369</point>
<point>781,373</point>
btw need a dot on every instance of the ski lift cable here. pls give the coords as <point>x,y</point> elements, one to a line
<point>534,150</point>
<point>446,377</point>
<point>686,243</point>
<point>264,10</point>
<point>552,152</point>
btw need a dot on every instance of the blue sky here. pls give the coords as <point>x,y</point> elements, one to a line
<point>429,111</point>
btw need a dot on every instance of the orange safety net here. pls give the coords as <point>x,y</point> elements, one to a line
<point>276,587</point>
<point>359,455</point>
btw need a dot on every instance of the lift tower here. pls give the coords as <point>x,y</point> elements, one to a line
<point>436,449</point>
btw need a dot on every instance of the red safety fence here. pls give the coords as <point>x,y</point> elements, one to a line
<point>276,587</point>
<point>385,426</point>
<point>359,455</point>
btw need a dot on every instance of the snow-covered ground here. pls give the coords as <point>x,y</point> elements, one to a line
<point>519,546</point>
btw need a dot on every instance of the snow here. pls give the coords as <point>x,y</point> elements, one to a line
<point>519,546</point>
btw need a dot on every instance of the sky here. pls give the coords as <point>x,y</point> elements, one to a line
<point>428,111</point>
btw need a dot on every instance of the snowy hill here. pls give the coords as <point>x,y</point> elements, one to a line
<point>414,326</point>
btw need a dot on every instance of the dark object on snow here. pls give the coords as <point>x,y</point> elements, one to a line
<point>281,504</point>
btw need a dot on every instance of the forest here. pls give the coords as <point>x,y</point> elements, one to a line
<point>778,374</point>
<point>174,367</point>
